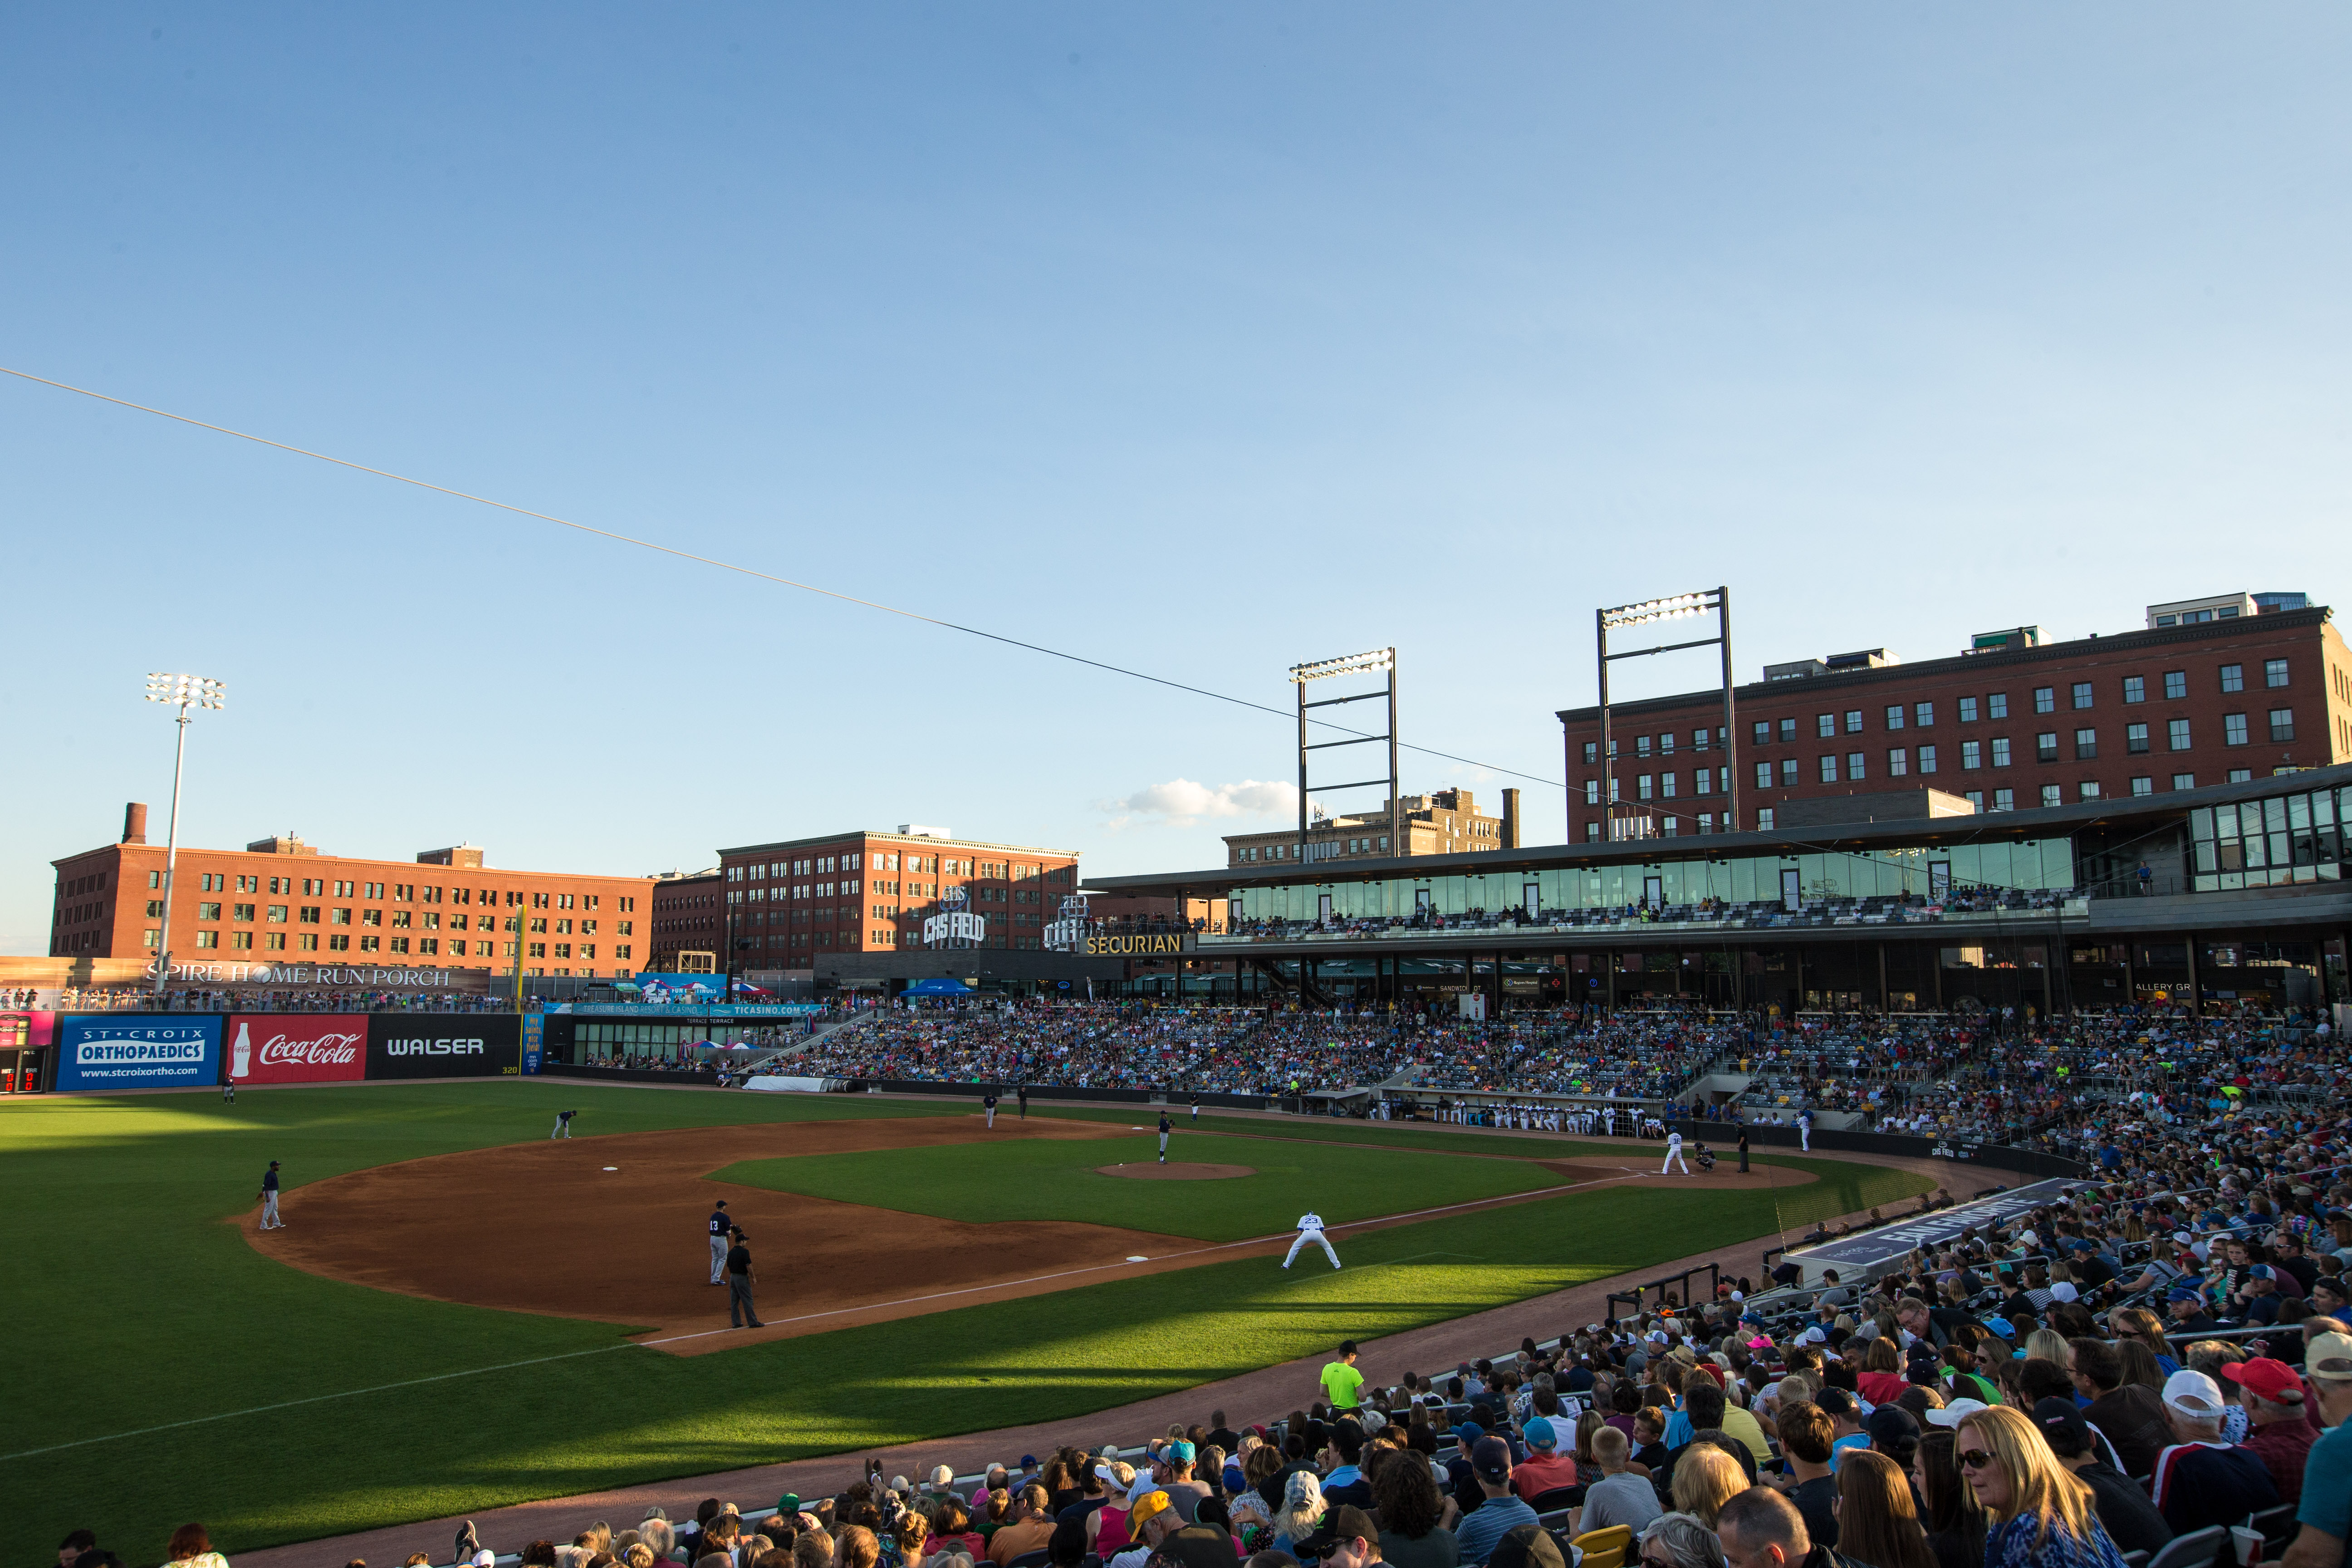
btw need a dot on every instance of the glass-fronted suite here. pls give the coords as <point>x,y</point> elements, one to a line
<point>2033,863</point>
<point>2287,839</point>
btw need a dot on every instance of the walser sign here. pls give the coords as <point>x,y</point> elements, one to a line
<point>444,1045</point>
<point>1134,946</point>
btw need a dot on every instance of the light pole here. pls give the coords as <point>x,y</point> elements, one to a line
<point>188,691</point>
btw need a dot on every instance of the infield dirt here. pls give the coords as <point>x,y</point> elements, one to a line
<point>612,1229</point>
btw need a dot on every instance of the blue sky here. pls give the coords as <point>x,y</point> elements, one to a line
<point>1204,339</point>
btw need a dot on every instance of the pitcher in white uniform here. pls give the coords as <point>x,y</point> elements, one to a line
<point>1310,1228</point>
<point>1673,1155</point>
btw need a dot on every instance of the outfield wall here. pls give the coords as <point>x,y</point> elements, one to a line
<point>95,1053</point>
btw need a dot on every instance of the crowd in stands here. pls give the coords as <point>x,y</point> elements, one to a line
<point>200,999</point>
<point>1904,909</point>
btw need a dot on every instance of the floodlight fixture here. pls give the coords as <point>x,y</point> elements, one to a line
<point>1673,609</point>
<point>185,692</point>
<point>1370,663</point>
<point>1650,612</point>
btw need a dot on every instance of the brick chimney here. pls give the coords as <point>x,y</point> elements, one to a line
<point>134,823</point>
<point>1510,819</point>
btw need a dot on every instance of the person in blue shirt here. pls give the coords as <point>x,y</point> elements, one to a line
<point>1501,1512</point>
<point>2325,1511</point>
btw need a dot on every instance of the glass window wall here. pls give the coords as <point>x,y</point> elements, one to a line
<point>2268,843</point>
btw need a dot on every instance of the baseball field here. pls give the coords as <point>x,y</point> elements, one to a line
<point>461,1313</point>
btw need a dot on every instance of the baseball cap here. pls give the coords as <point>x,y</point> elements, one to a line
<point>1528,1546</point>
<point>2271,1380</point>
<point>1542,1435</point>
<point>2002,1327</point>
<point>789,1504</point>
<point>2064,1291</point>
<point>1147,1507</point>
<point>2182,1293</point>
<point>1958,1411</point>
<point>1890,1422</point>
<point>1835,1401</point>
<point>1348,1522</point>
<point>1490,1458</point>
<point>2329,1356</point>
<point>486,1558</point>
<point>1181,1451</point>
<point>2062,1423</point>
<point>2192,1394</point>
<point>1468,1432</point>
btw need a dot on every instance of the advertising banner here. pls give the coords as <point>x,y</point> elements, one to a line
<point>296,1048</point>
<point>138,1051</point>
<point>534,1041</point>
<point>656,990</point>
<point>444,1045</point>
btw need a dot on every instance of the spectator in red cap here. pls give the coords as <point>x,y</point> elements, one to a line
<point>2272,1393</point>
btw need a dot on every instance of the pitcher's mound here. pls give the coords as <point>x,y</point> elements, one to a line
<point>1174,1171</point>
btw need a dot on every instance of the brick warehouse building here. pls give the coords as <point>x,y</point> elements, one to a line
<point>2013,725</point>
<point>688,918</point>
<point>868,891</point>
<point>281,900</point>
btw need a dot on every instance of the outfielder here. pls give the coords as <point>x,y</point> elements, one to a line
<point>1805,1130</point>
<point>1310,1228</point>
<point>989,1100</point>
<point>1163,1137</point>
<point>720,1228</point>
<point>269,1220</point>
<point>563,1124</point>
<point>1196,1108</point>
<point>1673,1155</point>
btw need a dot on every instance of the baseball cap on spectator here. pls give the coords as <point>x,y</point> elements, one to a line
<point>1958,1411</point>
<point>1542,1435</point>
<point>1490,1459</point>
<point>1891,1422</point>
<point>486,1558</point>
<point>2329,1357</point>
<point>2064,1291</point>
<point>1528,1546</point>
<point>1834,1402</point>
<point>1143,1509</point>
<point>2063,1426</point>
<point>2271,1380</point>
<point>2002,1327</point>
<point>789,1504</point>
<point>1468,1432</point>
<point>1180,1452</point>
<point>2192,1394</point>
<point>1813,1336</point>
<point>2182,1293</point>
<point>1348,1522</point>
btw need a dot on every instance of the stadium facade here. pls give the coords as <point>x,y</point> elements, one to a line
<point>2212,896</point>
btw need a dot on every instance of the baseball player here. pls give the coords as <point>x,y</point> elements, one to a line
<point>1164,1125</point>
<point>1673,1155</point>
<point>1805,1129</point>
<point>989,1100</point>
<point>228,1091</point>
<point>1310,1228</point>
<point>739,1280</point>
<point>563,1124</point>
<point>269,1220</point>
<point>1196,1108</point>
<point>720,1228</point>
<point>1022,1091</point>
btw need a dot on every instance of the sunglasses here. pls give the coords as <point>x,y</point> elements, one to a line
<point>1973,1459</point>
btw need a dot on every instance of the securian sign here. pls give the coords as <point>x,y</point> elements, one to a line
<point>1134,946</point>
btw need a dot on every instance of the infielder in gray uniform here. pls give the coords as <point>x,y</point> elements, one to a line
<point>720,1226</point>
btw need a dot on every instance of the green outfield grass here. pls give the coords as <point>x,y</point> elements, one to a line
<point>1037,1179</point>
<point>140,1313</point>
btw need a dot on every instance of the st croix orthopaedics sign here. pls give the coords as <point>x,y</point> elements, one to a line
<point>1154,946</point>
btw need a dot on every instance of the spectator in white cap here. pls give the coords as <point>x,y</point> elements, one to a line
<point>2200,1480</point>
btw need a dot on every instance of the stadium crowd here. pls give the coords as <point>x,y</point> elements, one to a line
<point>199,999</point>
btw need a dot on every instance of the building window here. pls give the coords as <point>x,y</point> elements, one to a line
<point>1703,780</point>
<point>1760,732</point>
<point>339,943</point>
<point>2143,785</point>
<point>2176,684</point>
<point>1926,759</point>
<point>1829,769</point>
<point>1895,716</point>
<point>1763,778</point>
<point>1923,714</point>
<point>1591,797</point>
<point>240,942</point>
<point>1824,725</point>
<point>370,943</point>
<point>2233,729</point>
<point>2233,677</point>
<point>538,950</point>
<point>2082,694</point>
<point>1853,764</point>
<point>1763,823</point>
<point>2135,688</point>
<point>2184,781</point>
<point>2089,789</point>
<point>1968,710</point>
<point>2004,800</point>
<point>274,942</point>
<point>240,911</point>
<point>2045,699</point>
<point>2274,672</point>
<point>1642,746</point>
<point>209,911</point>
<point>1591,751</point>
<point>278,914</point>
<point>1971,754</point>
<point>1853,720</point>
<point>1997,705</point>
<point>154,937</point>
<point>1898,762</point>
<point>2241,776</point>
<point>1787,772</point>
<point>1666,786</point>
<point>2045,746</point>
<point>1788,730</point>
<point>1976,799</point>
<point>2135,739</point>
<point>1642,788</point>
<point>2001,751</point>
<point>2177,732</point>
<point>2086,744</point>
<point>2282,726</point>
<point>309,943</point>
<point>2052,795</point>
<point>208,939</point>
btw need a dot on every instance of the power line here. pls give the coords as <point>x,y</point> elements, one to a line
<point>755,573</point>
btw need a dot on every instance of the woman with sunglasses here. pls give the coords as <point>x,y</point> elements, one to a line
<point>2042,1517</point>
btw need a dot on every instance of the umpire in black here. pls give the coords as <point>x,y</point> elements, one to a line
<point>740,1279</point>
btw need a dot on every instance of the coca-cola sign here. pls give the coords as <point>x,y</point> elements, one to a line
<point>294,1047</point>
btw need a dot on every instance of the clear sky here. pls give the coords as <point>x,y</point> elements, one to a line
<point>1203,338</point>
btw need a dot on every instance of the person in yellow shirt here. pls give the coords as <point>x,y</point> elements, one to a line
<point>1340,1379</point>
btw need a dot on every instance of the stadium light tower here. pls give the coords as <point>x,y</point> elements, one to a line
<point>1649,612</point>
<point>190,691</point>
<point>1379,661</point>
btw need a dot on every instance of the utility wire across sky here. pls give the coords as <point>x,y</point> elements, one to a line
<point>1283,713</point>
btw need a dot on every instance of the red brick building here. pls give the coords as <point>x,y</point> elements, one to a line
<point>2013,724</point>
<point>869,891</point>
<point>689,919</point>
<point>279,900</point>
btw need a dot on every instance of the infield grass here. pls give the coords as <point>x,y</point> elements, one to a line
<point>141,1317</point>
<point>1042,1179</point>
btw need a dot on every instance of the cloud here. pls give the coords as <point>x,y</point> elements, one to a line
<point>1181,803</point>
